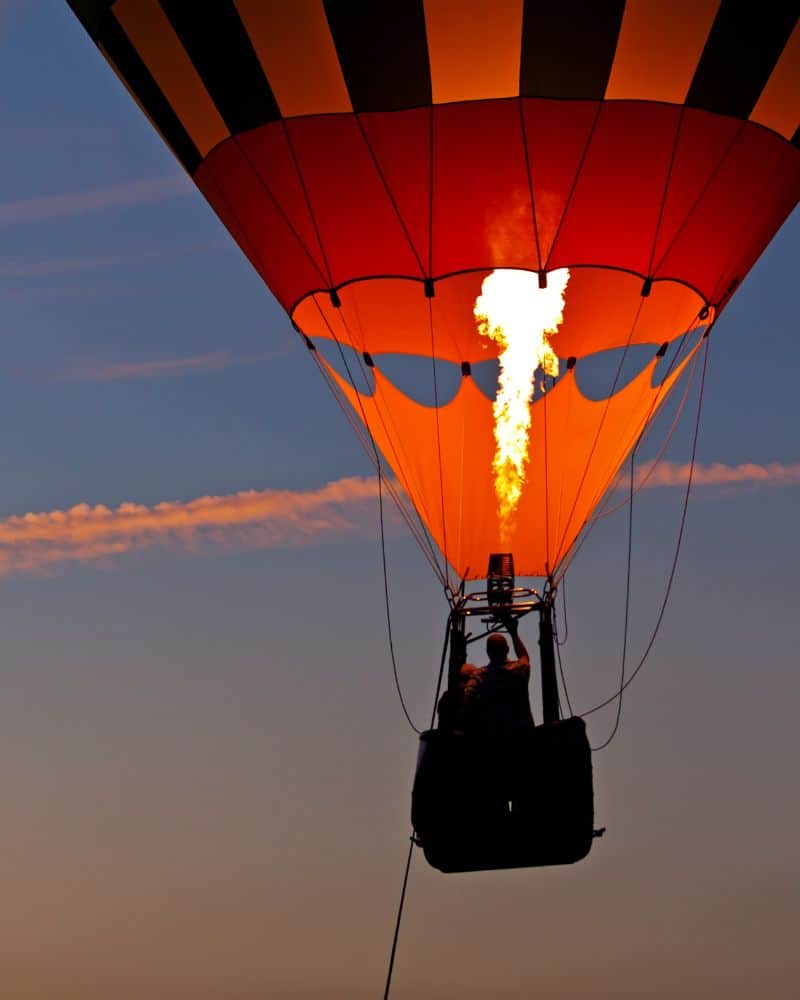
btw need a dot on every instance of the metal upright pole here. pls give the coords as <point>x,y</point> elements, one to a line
<point>458,651</point>
<point>548,661</point>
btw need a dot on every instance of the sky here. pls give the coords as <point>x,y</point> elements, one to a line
<point>205,770</point>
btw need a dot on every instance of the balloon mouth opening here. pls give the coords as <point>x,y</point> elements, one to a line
<point>443,450</point>
<point>613,324</point>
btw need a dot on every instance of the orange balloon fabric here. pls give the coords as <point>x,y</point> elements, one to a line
<point>577,446</point>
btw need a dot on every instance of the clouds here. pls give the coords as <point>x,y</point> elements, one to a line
<point>718,474</point>
<point>96,370</point>
<point>35,542</point>
<point>52,209</point>
<point>145,191</point>
<point>257,519</point>
<point>143,256</point>
<point>91,369</point>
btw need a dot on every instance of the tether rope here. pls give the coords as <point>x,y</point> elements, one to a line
<point>401,904</point>
<point>400,908</point>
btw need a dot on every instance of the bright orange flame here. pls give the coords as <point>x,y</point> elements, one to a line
<point>518,315</point>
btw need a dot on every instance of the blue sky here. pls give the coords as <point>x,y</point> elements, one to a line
<point>206,771</point>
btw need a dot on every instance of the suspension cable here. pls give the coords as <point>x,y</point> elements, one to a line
<point>679,540</point>
<point>604,509</point>
<point>563,588</point>
<point>441,669</point>
<point>558,644</point>
<point>615,727</point>
<point>388,606</point>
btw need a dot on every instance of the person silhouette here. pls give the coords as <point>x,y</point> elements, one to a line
<point>495,704</point>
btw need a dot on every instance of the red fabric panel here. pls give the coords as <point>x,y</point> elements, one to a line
<point>482,216</point>
<point>604,309</point>
<point>359,228</point>
<point>738,204</point>
<point>392,316</point>
<point>454,325</point>
<point>612,215</point>
<point>557,133</point>
<point>701,147</point>
<point>245,207</point>
<point>269,152</point>
<point>401,144</point>
<point>776,202</point>
<point>482,211</point>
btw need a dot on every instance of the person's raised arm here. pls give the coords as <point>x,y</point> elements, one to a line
<point>520,649</point>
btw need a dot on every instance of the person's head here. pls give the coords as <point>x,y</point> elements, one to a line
<point>497,647</point>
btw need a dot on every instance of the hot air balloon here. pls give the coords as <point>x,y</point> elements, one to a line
<point>508,181</point>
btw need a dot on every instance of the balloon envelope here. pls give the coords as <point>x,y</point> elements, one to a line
<point>376,161</point>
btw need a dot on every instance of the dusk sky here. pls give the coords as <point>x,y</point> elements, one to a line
<point>205,770</point>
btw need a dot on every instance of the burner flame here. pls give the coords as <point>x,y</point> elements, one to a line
<point>519,316</point>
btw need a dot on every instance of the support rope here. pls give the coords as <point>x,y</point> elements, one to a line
<point>678,543</point>
<point>401,904</point>
<point>563,589</point>
<point>388,607</point>
<point>400,907</point>
<point>367,443</point>
<point>623,662</point>
<point>604,509</point>
<point>558,644</point>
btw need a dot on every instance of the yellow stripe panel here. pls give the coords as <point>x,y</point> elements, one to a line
<point>777,108</point>
<point>151,34</point>
<point>659,47</point>
<point>294,45</point>
<point>474,48</point>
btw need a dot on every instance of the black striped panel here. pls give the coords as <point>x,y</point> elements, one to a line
<point>383,52</point>
<point>220,49</point>
<point>744,44</point>
<point>568,47</point>
<point>91,14</point>
<point>116,43</point>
